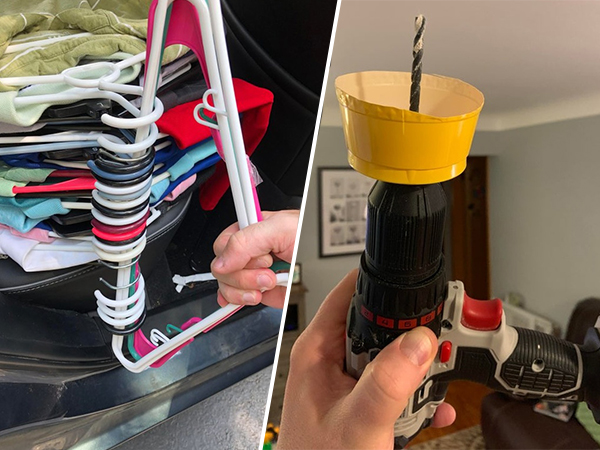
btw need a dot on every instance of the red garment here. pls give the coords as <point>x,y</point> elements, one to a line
<point>254,104</point>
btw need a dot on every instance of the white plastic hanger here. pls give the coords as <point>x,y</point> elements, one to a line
<point>119,311</point>
<point>14,48</point>
<point>60,78</point>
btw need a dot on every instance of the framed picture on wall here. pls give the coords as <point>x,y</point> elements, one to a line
<point>343,196</point>
<point>297,275</point>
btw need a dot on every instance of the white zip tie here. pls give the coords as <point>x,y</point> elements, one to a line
<point>181,281</point>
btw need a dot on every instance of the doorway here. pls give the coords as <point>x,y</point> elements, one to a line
<point>469,247</point>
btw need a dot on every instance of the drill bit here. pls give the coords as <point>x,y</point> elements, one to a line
<point>415,86</point>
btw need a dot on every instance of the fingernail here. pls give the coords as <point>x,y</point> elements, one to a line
<point>264,281</point>
<point>248,297</point>
<point>219,263</point>
<point>416,346</point>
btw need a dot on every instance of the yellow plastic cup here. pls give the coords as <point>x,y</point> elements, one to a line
<point>388,142</point>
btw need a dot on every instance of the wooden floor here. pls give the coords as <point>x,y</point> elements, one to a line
<point>466,398</point>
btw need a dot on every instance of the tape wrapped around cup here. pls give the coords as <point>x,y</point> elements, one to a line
<point>388,142</point>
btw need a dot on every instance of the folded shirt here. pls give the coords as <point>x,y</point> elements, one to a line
<point>36,234</point>
<point>31,258</point>
<point>23,214</point>
<point>6,128</point>
<point>163,188</point>
<point>22,175</point>
<point>181,188</point>
<point>108,27</point>
<point>192,156</point>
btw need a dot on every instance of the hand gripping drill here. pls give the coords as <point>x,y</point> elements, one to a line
<point>402,284</point>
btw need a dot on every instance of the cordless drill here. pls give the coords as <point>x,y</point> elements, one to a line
<point>402,282</point>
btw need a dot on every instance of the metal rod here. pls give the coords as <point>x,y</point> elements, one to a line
<point>415,86</point>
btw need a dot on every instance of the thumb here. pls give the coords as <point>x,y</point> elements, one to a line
<point>383,390</point>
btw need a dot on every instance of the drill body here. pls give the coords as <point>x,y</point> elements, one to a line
<point>402,280</point>
<point>402,284</point>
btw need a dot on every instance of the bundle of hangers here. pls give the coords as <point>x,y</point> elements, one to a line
<point>48,176</point>
<point>84,166</point>
<point>51,148</point>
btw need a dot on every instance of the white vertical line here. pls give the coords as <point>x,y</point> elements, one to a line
<point>302,208</point>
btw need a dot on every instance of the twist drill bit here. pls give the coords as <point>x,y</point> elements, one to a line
<point>415,87</point>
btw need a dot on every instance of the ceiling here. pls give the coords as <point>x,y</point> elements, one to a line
<point>535,61</point>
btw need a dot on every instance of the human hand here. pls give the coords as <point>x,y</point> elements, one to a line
<point>244,257</point>
<point>325,408</point>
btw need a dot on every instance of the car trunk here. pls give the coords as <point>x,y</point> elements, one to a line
<point>60,384</point>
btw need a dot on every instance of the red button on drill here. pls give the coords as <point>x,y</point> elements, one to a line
<point>445,351</point>
<point>482,315</point>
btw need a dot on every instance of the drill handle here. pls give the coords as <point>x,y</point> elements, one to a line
<point>537,366</point>
<point>475,344</point>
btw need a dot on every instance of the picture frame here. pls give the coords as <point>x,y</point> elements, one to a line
<point>343,194</point>
<point>297,274</point>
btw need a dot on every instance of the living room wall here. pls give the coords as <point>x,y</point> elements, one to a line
<point>545,215</point>
<point>321,274</point>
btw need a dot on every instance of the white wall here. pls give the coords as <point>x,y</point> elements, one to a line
<point>319,275</point>
<point>544,215</point>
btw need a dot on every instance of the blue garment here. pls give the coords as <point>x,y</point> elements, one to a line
<point>29,160</point>
<point>23,214</point>
<point>163,188</point>
<point>168,152</point>
<point>157,190</point>
<point>192,156</point>
<point>167,156</point>
<point>169,162</point>
<point>177,155</point>
<point>44,226</point>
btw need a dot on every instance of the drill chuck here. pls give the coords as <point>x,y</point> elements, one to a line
<point>405,231</point>
<point>402,281</point>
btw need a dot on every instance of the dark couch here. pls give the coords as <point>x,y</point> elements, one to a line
<point>509,423</point>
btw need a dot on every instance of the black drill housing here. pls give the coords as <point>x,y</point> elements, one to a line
<point>402,281</point>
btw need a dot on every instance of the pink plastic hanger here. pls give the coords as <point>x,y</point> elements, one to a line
<point>76,184</point>
<point>187,32</point>
<point>143,346</point>
<point>121,229</point>
<point>126,235</point>
<point>71,173</point>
